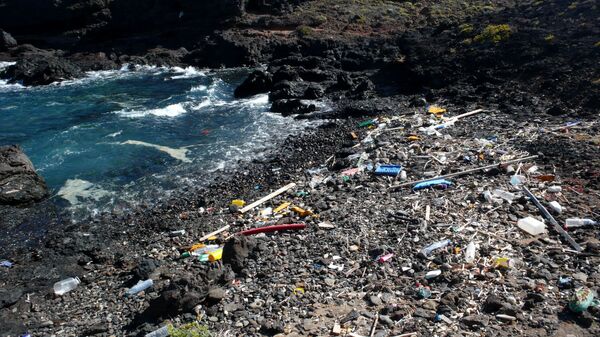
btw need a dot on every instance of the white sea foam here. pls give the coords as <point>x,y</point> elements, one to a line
<point>198,88</point>
<point>179,153</point>
<point>4,85</point>
<point>77,190</point>
<point>113,135</point>
<point>172,110</point>
<point>257,100</point>
<point>188,72</point>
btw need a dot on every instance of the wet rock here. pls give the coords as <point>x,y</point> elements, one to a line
<point>256,83</point>
<point>19,183</point>
<point>292,106</point>
<point>6,41</point>
<point>41,69</point>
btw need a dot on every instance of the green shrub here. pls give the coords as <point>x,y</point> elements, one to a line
<point>494,33</point>
<point>304,31</point>
<point>189,330</point>
<point>465,28</point>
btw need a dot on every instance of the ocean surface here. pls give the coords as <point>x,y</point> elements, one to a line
<point>117,138</point>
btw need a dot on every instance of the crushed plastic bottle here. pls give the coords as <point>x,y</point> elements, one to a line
<point>139,287</point>
<point>554,189</point>
<point>517,180</point>
<point>66,285</point>
<point>577,222</point>
<point>504,195</point>
<point>470,252</point>
<point>531,226</point>
<point>555,207</point>
<point>161,332</point>
<point>434,246</point>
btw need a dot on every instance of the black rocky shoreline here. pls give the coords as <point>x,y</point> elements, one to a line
<point>536,77</point>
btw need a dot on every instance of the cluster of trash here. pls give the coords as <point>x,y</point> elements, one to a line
<point>424,226</point>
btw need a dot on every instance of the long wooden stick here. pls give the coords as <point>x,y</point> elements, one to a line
<point>222,229</point>
<point>268,197</point>
<point>374,327</point>
<point>462,172</point>
<point>551,219</point>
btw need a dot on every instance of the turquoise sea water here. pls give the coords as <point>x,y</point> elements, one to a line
<point>118,137</point>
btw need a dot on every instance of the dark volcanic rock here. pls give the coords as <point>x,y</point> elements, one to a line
<point>93,61</point>
<point>41,70</point>
<point>6,41</point>
<point>236,251</point>
<point>292,106</point>
<point>257,82</point>
<point>19,183</point>
<point>9,297</point>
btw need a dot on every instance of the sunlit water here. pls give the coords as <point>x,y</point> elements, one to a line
<point>116,138</point>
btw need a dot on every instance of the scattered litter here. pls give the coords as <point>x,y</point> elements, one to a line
<point>434,246</point>
<point>388,170</point>
<point>582,299</point>
<point>531,226</point>
<point>274,228</point>
<point>139,287</point>
<point>66,285</point>
<point>439,183</point>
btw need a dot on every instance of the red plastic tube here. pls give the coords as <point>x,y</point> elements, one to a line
<point>275,228</point>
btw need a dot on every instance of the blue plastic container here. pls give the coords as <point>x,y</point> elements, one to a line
<point>388,170</point>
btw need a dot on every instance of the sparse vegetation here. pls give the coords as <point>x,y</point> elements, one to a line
<point>304,31</point>
<point>466,28</point>
<point>190,330</point>
<point>494,33</point>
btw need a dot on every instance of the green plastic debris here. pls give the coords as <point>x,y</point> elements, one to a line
<point>582,299</point>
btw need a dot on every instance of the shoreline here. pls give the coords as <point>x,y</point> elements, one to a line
<point>358,267</point>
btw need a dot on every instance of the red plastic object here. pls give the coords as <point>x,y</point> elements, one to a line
<point>275,228</point>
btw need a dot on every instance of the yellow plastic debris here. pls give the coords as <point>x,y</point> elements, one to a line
<point>299,291</point>
<point>215,255</point>
<point>436,110</point>
<point>282,207</point>
<point>196,246</point>
<point>301,212</point>
<point>353,135</point>
<point>413,138</point>
<point>238,203</point>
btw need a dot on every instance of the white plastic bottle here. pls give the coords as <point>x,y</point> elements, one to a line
<point>531,226</point>
<point>66,285</point>
<point>504,195</point>
<point>140,286</point>
<point>470,252</point>
<point>577,222</point>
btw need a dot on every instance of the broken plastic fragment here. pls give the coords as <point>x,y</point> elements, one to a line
<point>442,183</point>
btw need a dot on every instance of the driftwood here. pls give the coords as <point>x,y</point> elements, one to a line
<point>268,197</point>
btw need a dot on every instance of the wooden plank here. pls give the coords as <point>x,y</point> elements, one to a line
<point>268,197</point>
<point>220,230</point>
<point>462,172</point>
